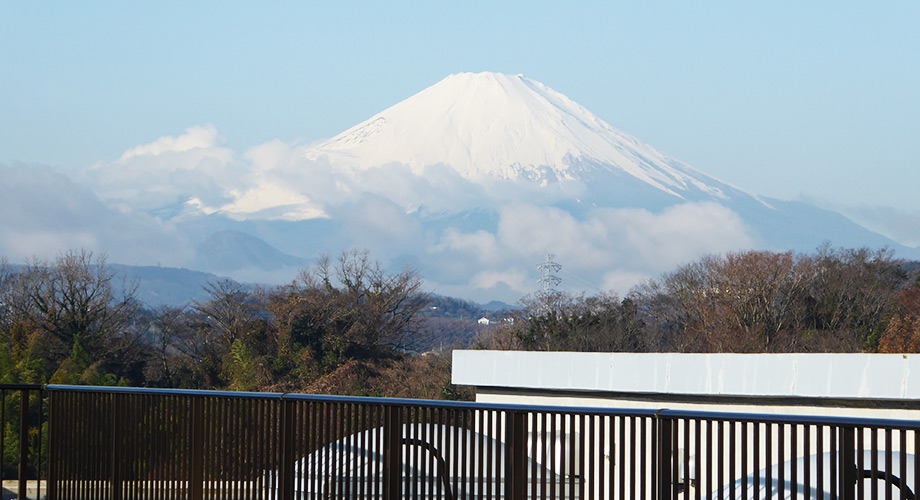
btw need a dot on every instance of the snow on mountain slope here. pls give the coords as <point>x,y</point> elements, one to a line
<point>491,125</point>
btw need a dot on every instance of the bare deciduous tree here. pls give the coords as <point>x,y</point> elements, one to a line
<point>73,299</point>
<point>230,311</point>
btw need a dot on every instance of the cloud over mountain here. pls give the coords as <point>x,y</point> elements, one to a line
<point>45,213</point>
<point>471,181</point>
<point>600,250</point>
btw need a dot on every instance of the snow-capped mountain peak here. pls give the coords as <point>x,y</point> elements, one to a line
<point>492,125</point>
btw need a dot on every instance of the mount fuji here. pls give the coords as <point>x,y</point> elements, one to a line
<point>492,127</point>
<point>471,181</point>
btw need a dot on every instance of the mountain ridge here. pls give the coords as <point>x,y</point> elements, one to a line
<point>495,126</point>
<point>444,165</point>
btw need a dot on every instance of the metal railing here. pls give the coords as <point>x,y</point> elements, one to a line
<point>21,421</point>
<point>728,455</point>
<point>118,443</point>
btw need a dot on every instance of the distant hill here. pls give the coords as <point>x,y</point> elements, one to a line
<point>497,305</point>
<point>230,250</point>
<point>452,307</point>
<point>159,286</point>
<point>449,322</point>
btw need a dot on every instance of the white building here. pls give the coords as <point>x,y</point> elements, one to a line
<point>863,385</point>
<point>882,386</point>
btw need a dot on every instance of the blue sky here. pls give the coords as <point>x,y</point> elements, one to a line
<point>813,100</point>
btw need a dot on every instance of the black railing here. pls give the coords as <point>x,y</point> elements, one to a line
<point>730,455</point>
<point>134,443</point>
<point>21,422</point>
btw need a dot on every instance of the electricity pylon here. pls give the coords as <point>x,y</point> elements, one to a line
<point>548,281</point>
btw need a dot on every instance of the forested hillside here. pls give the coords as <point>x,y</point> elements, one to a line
<point>345,326</point>
<point>835,300</point>
<point>348,327</point>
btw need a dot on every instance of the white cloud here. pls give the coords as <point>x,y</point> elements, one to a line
<point>500,291</point>
<point>607,250</point>
<point>270,155</point>
<point>516,279</point>
<point>676,235</point>
<point>532,231</point>
<point>273,202</point>
<point>480,245</point>
<point>493,247</point>
<point>379,224</point>
<point>163,175</point>
<point>23,243</point>
<point>45,213</point>
<point>621,281</point>
<point>204,138</point>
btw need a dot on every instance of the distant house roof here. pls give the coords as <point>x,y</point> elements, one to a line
<point>872,376</point>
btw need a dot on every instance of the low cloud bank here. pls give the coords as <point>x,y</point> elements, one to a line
<point>45,213</point>
<point>132,208</point>
<point>608,250</point>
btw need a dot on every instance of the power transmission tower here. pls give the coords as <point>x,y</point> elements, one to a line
<point>548,280</point>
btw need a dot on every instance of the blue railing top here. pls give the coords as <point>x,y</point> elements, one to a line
<point>883,423</point>
<point>570,410</point>
<point>428,403</point>
<point>424,403</point>
<point>151,390</point>
<point>21,387</point>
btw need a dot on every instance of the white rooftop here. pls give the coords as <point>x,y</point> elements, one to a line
<point>869,376</point>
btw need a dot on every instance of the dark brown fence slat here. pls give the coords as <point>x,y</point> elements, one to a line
<point>784,446</point>
<point>833,458</point>
<point>697,463</point>
<point>756,459</point>
<point>665,450</point>
<point>768,457</point>
<point>2,433</point>
<point>849,475</point>
<point>23,440</point>
<point>874,461</point>
<point>286,473</point>
<point>889,484</point>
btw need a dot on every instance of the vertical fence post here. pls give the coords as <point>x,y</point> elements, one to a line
<point>23,440</point>
<point>51,480</point>
<point>286,468</point>
<point>392,456</point>
<point>2,433</point>
<point>196,472</point>
<point>665,452</point>
<point>515,454</point>
<point>116,445</point>
<point>849,474</point>
<point>39,446</point>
